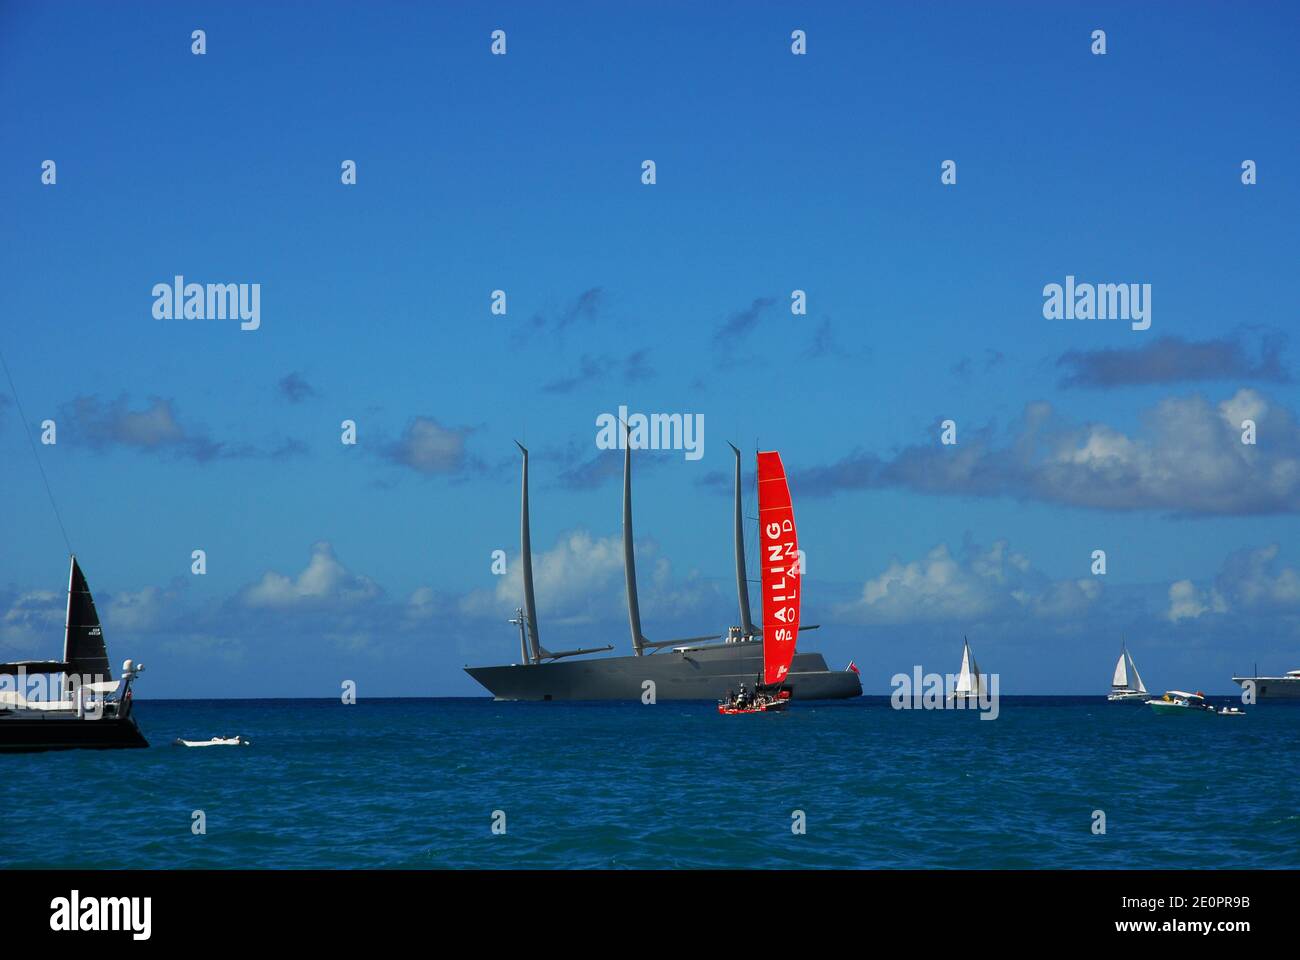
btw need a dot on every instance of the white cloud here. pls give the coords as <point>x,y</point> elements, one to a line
<point>1188,603</point>
<point>936,588</point>
<point>580,580</point>
<point>420,607</point>
<point>1063,599</point>
<point>155,428</point>
<point>428,447</point>
<point>1187,457</point>
<point>325,581</point>
<point>1243,405</point>
<point>140,610</point>
<point>32,627</point>
<point>978,584</point>
<point>1253,580</point>
<point>1250,581</point>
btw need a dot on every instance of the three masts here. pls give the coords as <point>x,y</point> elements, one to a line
<point>697,667</point>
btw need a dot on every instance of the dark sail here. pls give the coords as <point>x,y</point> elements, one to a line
<point>83,644</point>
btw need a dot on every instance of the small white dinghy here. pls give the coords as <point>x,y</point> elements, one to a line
<point>214,742</point>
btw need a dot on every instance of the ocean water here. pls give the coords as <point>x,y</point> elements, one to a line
<point>415,783</point>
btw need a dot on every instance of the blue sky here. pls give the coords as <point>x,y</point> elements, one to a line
<point>775,172</point>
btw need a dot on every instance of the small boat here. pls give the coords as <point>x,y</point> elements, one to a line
<point>214,742</point>
<point>779,553</point>
<point>761,705</point>
<point>77,703</point>
<point>970,683</point>
<point>85,707</point>
<point>1231,712</point>
<point>1122,688</point>
<point>1178,702</point>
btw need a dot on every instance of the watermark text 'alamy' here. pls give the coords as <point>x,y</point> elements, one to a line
<point>655,431</point>
<point>179,300</point>
<point>1098,301</point>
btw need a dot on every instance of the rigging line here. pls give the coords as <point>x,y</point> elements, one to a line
<point>35,456</point>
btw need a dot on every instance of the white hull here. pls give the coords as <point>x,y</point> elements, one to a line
<point>1178,702</point>
<point>1165,708</point>
<point>1128,696</point>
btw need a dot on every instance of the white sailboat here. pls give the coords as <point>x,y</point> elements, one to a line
<point>969,681</point>
<point>1122,686</point>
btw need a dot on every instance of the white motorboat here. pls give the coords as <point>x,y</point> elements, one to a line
<point>1178,702</point>
<point>214,742</point>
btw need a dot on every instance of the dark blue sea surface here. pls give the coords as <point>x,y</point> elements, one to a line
<point>415,783</point>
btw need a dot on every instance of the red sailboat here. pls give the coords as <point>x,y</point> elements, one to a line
<point>779,563</point>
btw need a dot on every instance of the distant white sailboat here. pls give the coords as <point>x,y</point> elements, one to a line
<point>969,681</point>
<point>1122,688</point>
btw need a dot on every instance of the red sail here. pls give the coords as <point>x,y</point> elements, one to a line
<point>779,544</point>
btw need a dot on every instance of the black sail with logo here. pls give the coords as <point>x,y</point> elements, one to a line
<point>83,646</point>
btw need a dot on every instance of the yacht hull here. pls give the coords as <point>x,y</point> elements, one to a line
<point>1273,688</point>
<point>704,673</point>
<point>37,734</point>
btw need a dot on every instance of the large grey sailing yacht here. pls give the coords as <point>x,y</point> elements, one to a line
<point>698,668</point>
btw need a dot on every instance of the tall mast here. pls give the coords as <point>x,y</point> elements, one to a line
<point>526,555</point>
<point>629,561</point>
<point>67,617</point>
<point>67,629</point>
<point>747,628</point>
